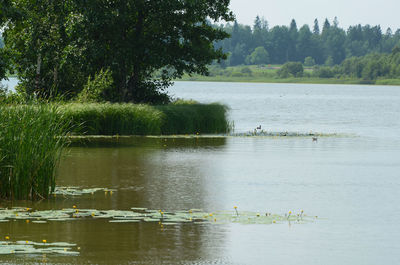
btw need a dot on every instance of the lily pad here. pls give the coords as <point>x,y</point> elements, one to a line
<point>31,247</point>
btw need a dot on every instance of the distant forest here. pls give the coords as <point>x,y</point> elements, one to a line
<point>323,45</point>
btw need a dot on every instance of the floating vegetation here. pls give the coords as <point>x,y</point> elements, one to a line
<point>31,247</point>
<point>286,134</point>
<point>136,215</point>
<point>76,191</point>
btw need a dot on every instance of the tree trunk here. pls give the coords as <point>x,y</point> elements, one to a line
<point>134,93</point>
<point>38,66</point>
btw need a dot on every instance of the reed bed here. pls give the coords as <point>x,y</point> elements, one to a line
<point>31,141</point>
<point>194,119</point>
<point>32,136</point>
<point>112,119</point>
<point>132,119</point>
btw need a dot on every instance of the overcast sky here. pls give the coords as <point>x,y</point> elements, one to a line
<point>349,12</point>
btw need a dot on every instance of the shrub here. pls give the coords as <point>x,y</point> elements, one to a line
<point>294,69</point>
<point>246,71</point>
<point>309,61</point>
<point>98,89</point>
<point>324,72</point>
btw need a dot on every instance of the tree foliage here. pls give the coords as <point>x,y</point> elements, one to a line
<point>293,43</point>
<point>369,68</point>
<point>259,56</point>
<point>56,45</point>
<point>291,69</point>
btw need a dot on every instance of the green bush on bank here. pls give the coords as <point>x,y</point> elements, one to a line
<point>31,140</point>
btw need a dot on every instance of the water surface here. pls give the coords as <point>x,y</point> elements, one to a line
<point>350,182</point>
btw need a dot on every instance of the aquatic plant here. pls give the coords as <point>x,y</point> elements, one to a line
<point>136,119</point>
<point>76,191</point>
<point>136,215</point>
<point>194,118</point>
<point>288,134</point>
<point>113,119</point>
<point>237,213</point>
<point>31,140</point>
<point>31,247</point>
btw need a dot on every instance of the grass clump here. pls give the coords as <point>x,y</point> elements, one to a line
<point>194,118</point>
<point>31,141</point>
<point>182,117</point>
<point>113,119</point>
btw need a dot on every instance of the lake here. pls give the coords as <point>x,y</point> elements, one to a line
<point>349,180</point>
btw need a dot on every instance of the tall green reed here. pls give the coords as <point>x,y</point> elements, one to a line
<point>112,119</point>
<point>137,119</point>
<point>31,141</point>
<point>194,118</point>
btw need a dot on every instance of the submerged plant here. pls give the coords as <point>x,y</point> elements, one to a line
<point>31,140</point>
<point>237,213</point>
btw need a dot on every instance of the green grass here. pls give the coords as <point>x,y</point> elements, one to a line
<point>258,74</point>
<point>194,119</point>
<point>113,119</point>
<point>131,119</point>
<point>389,82</point>
<point>30,146</point>
<point>291,80</point>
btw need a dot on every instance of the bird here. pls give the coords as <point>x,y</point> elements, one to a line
<point>314,139</point>
<point>259,127</point>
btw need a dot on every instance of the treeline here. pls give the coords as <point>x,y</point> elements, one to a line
<point>323,45</point>
<point>370,67</point>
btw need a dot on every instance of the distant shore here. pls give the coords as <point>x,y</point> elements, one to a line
<point>293,80</point>
<point>270,74</point>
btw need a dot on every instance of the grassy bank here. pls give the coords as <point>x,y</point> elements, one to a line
<point>30,148</point>
<point>131,119</point>
<point>292,80</point>
<point>258,74</point>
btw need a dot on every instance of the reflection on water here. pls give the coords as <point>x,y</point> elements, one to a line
<point>350,183</point>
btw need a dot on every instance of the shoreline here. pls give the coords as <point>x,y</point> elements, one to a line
<point>324,81</point>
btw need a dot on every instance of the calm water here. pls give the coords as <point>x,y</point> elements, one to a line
<point>10,83</point>
<point>351,182</point>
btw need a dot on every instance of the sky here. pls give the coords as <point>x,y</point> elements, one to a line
<point>349,12</point>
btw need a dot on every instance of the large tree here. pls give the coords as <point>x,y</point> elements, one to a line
<point>145,43</point>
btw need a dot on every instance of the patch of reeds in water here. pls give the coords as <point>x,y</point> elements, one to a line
<point>136,119</point>
<point>194,119</point>
<point>31,140</point>
<point>113,119</point>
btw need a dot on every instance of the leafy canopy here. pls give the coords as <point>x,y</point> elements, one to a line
<point>56,45</point>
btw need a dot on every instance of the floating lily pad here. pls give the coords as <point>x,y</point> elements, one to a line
<point>31,247</point>
<point>125,221</point>
<point>147,215</point>
<point>138,209</point>
<point>39,222</point>
<point>77,191</point>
